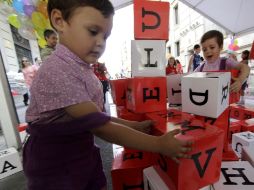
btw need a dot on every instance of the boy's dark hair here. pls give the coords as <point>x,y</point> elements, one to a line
<point>67,7</point>
<point>48,32</point>
<point>213,34</point>
<point>196,46</point>
<point>247,53</point>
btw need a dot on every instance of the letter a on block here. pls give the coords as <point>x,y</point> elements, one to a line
<point>151,20</point>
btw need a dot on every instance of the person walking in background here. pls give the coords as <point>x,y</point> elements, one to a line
<point>195,60</point>
<point>65,111</point>
<point>171,66</point>
<point>245,60</point>
<point>100,71</point>
<point>29,72</point>
<point>51,39</point>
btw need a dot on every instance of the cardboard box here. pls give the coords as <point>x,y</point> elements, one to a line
<point>127,169</point>
<point>118,91</point>
<point>205,93</point>
<point>248,155</point>
<point>151,19</point>
<point>9,162</point>
<point>235,176</point>
<point>148,58</point>
<point>174,90</point>
<point>247,125</point>
<point>242,139</point>
<point>203,168</point>
<point>146,94</point>
<point>156,179</point>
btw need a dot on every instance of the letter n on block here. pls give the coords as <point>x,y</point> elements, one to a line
<point>151,20</point>
<point>203,168</point>
<point>127,169</point>
<point>146,94</point>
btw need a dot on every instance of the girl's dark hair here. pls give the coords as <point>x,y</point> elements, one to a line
<point>247,54</point>
<point>67,7</point>
<point>213,34</point>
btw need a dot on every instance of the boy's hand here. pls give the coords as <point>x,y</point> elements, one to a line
<point>172,147</point>
<point>143,126</point>
<point>236,86</point>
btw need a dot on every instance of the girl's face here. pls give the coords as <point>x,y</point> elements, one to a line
<point>211,50</point>
<point>85,33</point>
<point>171,61</point>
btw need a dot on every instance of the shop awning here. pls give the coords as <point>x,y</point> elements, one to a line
<point>235,16</point>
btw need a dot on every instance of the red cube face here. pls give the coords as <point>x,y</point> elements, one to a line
<point>234,127</point>
<point>151,20</point>
<point>127,169</point>
<point>146,94</point>
<point>203,168</point>
<point>166,121</point>
<point>123,113</point>
<point>118,91</point>
<point>221,122</point>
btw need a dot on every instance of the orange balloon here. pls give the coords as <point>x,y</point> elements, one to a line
<point>42,7</point>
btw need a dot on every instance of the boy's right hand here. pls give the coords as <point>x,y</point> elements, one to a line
<point>172,147</point>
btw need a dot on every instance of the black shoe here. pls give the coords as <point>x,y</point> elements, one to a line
<point>26,104</point>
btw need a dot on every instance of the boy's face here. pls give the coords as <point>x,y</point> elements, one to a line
<point>52,40</point>
<point>86,32</point>
<point>211,50</point>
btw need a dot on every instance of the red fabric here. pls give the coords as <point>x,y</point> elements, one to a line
<point>100,70</point>
<point>170,70</point>
<point>252,51</point>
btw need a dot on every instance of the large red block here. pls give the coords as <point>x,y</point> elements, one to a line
<point>127,169</point>
<point>118,91</point>
<point>234,127</point>
<point>166,121</point>
<point>203,168</point>
<point>221,122</point>
<point>240,112</point>
<point>151,20</point>
<point>123,113</point>
<point>146,94</point>
<point>247,125</point>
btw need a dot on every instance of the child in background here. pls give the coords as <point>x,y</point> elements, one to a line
<point>51,39</point>
<point>212,44</point>
<point>245,60</point>
<point>29,72</point>
<point>66,102</point>
<point>171,66</point>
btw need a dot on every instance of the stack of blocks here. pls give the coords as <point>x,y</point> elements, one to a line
<point>204,118</point>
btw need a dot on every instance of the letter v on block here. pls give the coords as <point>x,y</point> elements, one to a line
<point>195,158</point>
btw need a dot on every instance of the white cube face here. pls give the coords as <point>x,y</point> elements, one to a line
<point>148,58</point>
<point>235,176</point>
<point>174,90</point>
<point>239,140</point>
<point>9,162</point>
<point>248,155</point>
<point>205,94</point>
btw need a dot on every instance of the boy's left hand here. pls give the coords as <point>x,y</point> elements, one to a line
<point>236,86</point>
<point>143,126</point>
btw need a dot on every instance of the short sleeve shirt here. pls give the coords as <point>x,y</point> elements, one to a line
<point>62,80</point>
<point>230,63</point>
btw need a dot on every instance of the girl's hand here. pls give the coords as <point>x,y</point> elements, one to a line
<point>143,126</point>
<point>172,147</point>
